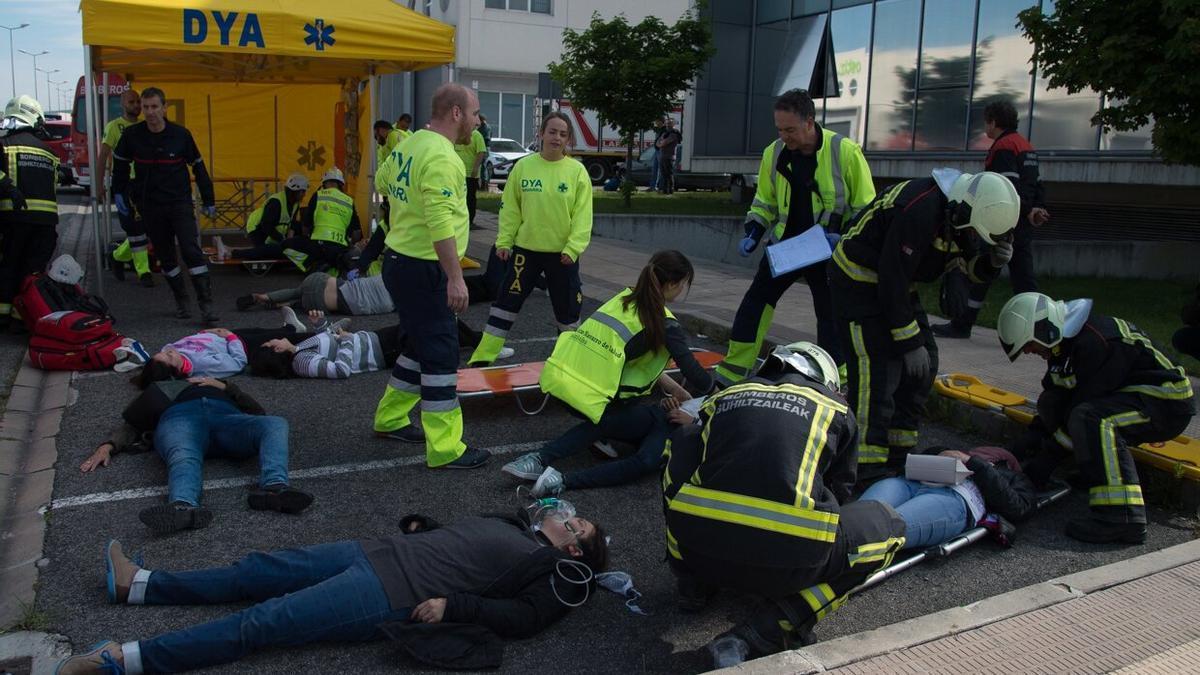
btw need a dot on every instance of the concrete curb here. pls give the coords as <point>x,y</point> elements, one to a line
<point>27,457</point>
<point>850,649</point>
<point>34,653</point>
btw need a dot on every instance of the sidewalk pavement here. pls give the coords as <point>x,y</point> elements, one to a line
<point>609,265</point>
<point>1136,616</point>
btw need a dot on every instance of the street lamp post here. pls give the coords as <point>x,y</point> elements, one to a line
<point>12,62</point>
<point>47,72</point>
<point>35,57</point>
<point>58,90</point>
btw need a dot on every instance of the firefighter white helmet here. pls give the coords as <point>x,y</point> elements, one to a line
<point>23,111</point>
<point>296,181</point>
<point>806,359</point>
<point>334,174</point>
<point>986,202</point>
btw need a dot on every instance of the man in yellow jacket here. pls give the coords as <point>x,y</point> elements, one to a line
<point>806,160</point>
<point>424,182</point>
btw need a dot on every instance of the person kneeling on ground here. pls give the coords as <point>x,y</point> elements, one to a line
<point>1107,386</point>
<point>503,584</point>
<point>360,296</point>
<point>609,388</point>
<point>187,420</point>
<point>329,353</point>
<point>754,499</point>
<point>934,513</point>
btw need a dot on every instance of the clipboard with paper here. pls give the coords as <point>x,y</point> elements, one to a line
<point>807,248</point>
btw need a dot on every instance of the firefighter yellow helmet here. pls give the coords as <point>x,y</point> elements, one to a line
<point>23,111</point>
<point>806,359</point>
<point>986,202</point>
<point>1030,317</point>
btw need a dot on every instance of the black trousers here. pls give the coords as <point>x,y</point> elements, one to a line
<point>320,253</point>
<point>525,267</point>
<point>170,223</point>
<point>1102,431</point>
<point>765,291</point>
<point>666,171</point>
<point>888,404</point>
<point>472,199</point>
<point>1020,274</point>
<point>26,249</point>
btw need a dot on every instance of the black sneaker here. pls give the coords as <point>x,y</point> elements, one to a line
<point>1102,532</point>
<point>472,458</point>
<point>279,498</point>
<point>412,433</point>
<point>168,518</point>
<point>949,330</point>
<point>147,280</point>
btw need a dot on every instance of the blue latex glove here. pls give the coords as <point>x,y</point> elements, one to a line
<point>122,207</point>
<point>210,211</point>
<point>747,246</point>
<point>353,274</point>
<point>833,239</point>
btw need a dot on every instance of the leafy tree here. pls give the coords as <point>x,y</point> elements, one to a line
<point>631,74</point>
<point>1141,55</point>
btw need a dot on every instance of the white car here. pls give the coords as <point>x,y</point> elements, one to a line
<point>502,152</point>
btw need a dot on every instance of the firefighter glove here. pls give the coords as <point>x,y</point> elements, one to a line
<point>916,363</point>
<point>1002,252</point>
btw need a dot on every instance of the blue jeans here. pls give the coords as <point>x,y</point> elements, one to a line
<point>933,514</point>
<point>327,592</point>
<point>645,425</point>
<point>190,431</point>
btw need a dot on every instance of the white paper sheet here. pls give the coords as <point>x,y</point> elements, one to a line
<point>802,250</point>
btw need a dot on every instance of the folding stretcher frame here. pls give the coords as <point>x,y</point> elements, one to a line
<point>1181,455</point>
<point>522,378</point>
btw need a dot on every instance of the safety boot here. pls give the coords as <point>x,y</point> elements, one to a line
<point>1096,531</point>
<point>203,285</point>
<point>181,297</point>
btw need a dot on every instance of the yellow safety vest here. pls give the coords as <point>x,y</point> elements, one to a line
<point>285,218</point>
<point>588,369</point>
<point>332,216</point>
<point>841,168</point>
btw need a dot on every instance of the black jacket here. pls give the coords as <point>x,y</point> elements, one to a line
<point>162,161</point>
<point>1006,492</point>
<point>28,164</point>
<point>1013,157</point>
<point>142,414</point>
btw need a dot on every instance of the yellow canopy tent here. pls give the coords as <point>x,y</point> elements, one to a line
<point>266,87</point>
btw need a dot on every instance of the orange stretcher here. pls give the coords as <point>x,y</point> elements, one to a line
<point>256,267</point>
<point>522,378</point>
<point>1180,456</point>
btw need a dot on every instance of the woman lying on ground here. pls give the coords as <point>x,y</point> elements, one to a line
<point>329,352</point>
<point>935,513</point>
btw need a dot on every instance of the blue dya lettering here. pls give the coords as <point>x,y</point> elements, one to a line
<point>195,28</point>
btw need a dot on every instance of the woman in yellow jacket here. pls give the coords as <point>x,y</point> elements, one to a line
<point>545,224</point>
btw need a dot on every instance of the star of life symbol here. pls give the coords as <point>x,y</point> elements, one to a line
<point>319,35</point>
<point>311,155</point>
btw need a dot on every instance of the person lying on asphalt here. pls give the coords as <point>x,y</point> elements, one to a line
<point>446,593</point>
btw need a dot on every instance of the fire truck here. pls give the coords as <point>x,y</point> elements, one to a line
<point>598,146</point>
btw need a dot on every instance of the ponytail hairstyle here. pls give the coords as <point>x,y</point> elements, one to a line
<point>665,267</point>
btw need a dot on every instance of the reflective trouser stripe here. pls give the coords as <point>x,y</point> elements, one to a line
<point>880,552</point>
<point>867,453</point>
<point>1063,439</point>
<point>673,546</point>
<point>902,438</point>
<point>488,349</point>
<point>298,258</point>
<point>1116,495</point>
<point>741,356</point>
<point>906,332</point>
<point>1110,448</point>
<point>822,600</point>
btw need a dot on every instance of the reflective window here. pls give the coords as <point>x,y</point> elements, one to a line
<point>770,11</point>
<point>489,4</point>
<point>541,6</point>
<point>1062,120</point>
<point>512,117</point>
<point>1133,140</point>
<point>519,5</point>
<point>893,75</point>
<point>1002,67</point>
<point>944,86</point>
<point>529,128</point>
<point>805,7</point>
<point>769,41</point>
<point>849,58</point>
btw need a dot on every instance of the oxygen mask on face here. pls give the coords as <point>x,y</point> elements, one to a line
<point>549,507</point>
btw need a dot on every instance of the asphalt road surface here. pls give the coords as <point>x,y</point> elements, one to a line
<point>363,485</point>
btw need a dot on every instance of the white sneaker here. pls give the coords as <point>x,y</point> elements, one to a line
<point>289,319</point>
<point>505,353</point>
<point>549,484</point>
<point>222,249</point>
<point>605,448</point>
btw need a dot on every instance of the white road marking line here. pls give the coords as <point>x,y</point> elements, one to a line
<point>240,481</point>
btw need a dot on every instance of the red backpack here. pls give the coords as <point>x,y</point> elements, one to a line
<point>40,295</point>
<point>70,340</point>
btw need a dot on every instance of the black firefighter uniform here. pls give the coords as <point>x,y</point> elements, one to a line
<point>901,238</point>
<point>29,165</point>
<point>752,502</point>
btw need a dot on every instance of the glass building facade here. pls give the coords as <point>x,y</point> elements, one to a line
<point>897,76</point>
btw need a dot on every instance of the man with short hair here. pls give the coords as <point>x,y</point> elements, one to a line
<point>161,191</point>
<point>472,152</point>
<point>666,144</point>
<point>1013,157</point>
<point>424,180</point>
<point>809,177</point>
<point>133,249</point>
